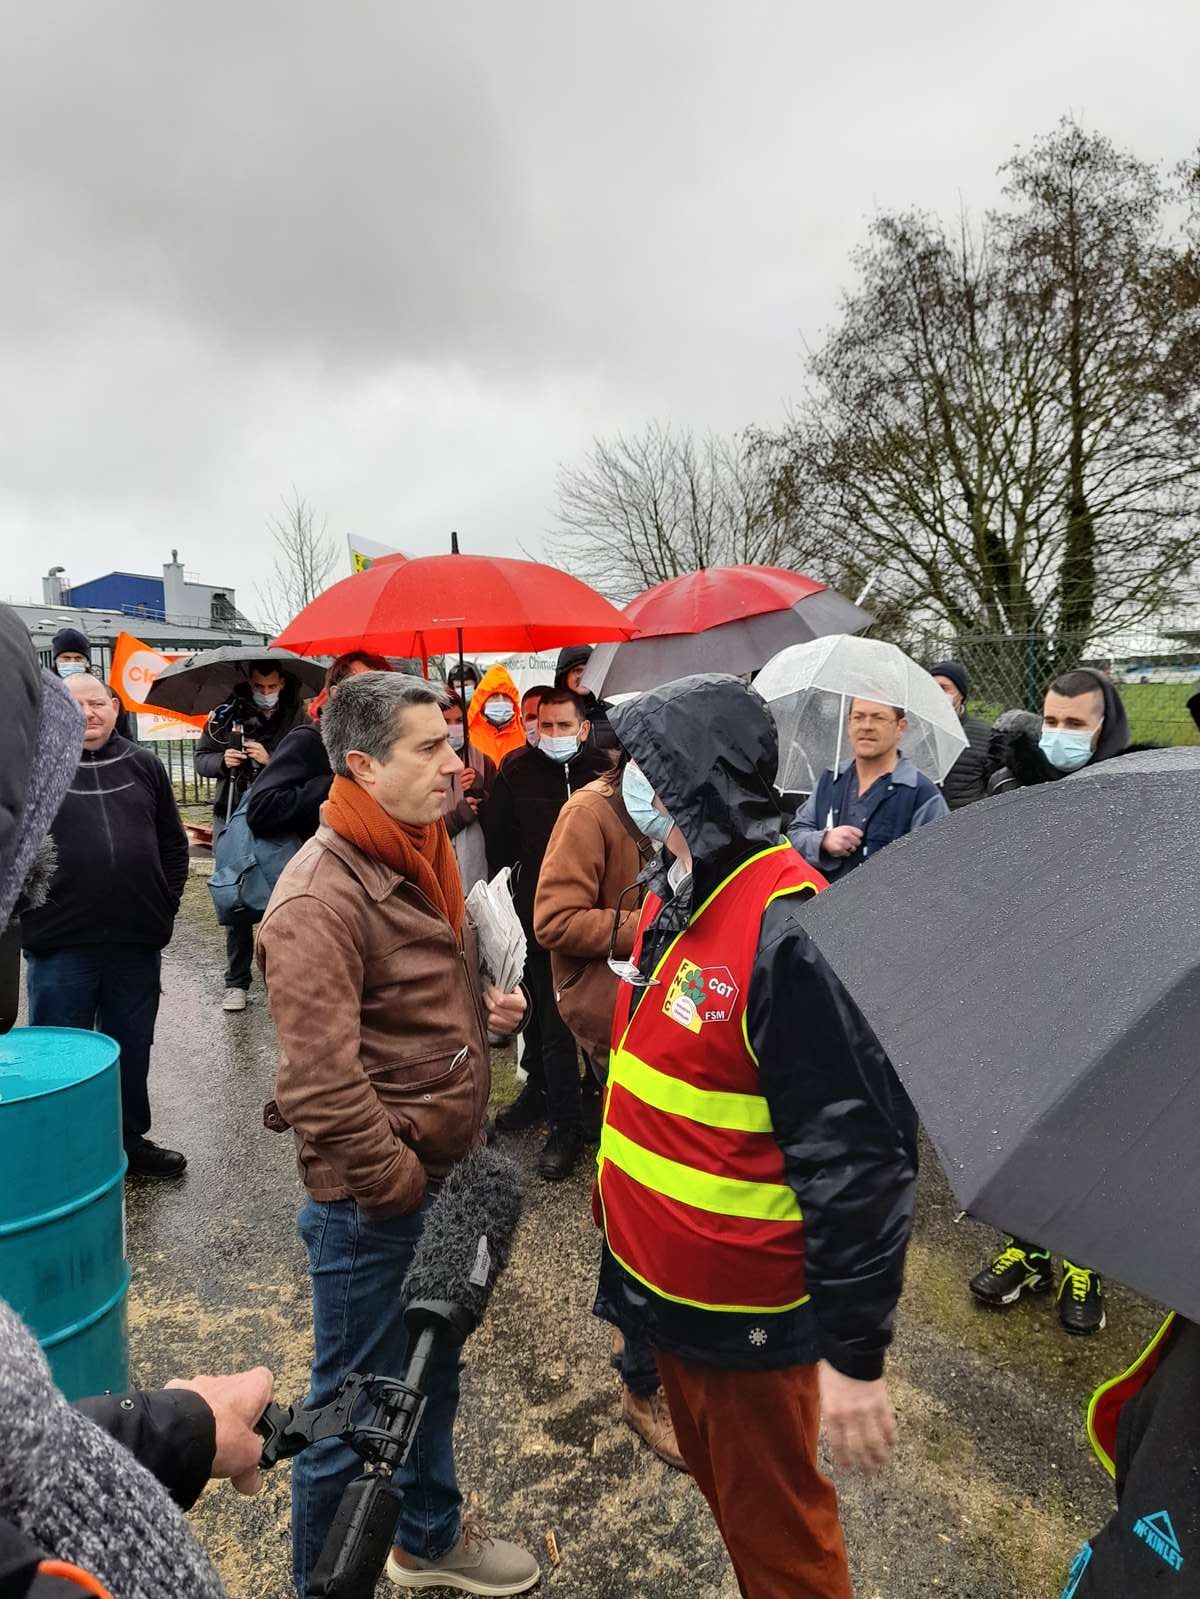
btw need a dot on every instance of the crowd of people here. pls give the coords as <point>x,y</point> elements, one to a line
<point>754,1216</point>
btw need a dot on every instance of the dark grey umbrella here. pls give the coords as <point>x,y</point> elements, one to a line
<point>743,645</point>
<point>1032,966</point>
<point>209,678</point>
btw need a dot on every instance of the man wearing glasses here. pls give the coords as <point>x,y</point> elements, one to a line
<point>876,797</point>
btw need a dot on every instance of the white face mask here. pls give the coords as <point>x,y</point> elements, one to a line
<point>454,732</point>
<point>499,712</point>
<point>71,668</point>
<point>532,736</point>
<point>561,748</point>
<point>266,702</point>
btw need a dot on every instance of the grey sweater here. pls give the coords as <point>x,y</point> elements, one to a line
<point>79,1495</point>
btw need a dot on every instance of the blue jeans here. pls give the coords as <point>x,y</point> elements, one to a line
<point>115,987</point>
<point>357,1267</point>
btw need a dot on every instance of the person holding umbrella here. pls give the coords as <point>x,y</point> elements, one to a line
<point>235,747</point>
<point>876,797</point>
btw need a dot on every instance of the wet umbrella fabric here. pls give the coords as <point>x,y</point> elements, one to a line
<point>723,619</point>
<point>809,688</point>
<point>451,603</point>
<point>1033,970</point>
<point>208,679</point>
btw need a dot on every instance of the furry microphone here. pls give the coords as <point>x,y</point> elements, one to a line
<point>465,1243</point>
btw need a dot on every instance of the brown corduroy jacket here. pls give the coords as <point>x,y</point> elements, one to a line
<point>595,853</point>
<point>384,1068</point>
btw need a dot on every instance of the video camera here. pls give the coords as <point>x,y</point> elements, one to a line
<point>238,719</point>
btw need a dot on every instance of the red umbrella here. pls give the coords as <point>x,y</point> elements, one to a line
<point>722,619</point>
<point>717,595</point>
<point>438,604</point>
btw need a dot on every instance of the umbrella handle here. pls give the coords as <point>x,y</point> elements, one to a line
<point>837,759</point>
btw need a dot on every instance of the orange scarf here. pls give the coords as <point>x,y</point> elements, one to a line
<point>422,854</point>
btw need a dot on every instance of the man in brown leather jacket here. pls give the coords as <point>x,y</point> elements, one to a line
<point>383,1077</point>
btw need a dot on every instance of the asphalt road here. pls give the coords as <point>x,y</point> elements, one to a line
<point>991,1492</point>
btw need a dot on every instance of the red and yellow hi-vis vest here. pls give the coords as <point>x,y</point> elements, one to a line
<point>1111,1397</point>
<point>693,1195</point>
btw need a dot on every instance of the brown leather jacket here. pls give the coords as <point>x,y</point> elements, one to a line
<point>384,1069</point>
<point>594,854</point>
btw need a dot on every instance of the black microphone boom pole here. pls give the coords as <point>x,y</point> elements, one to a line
<point>463,1248</point>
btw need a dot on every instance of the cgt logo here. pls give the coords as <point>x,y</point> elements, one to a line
<point>720,994</point>
<point>140,670</point>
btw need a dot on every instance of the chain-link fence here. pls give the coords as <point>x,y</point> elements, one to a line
<point>1156,671</point>
<point>178,756</point>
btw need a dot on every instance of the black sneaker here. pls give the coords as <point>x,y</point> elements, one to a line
<point>147,1159</point>
<point>559,1153</point>
<point>1080,1300</point>
<point>1015,1271</point>
<point>526,1110</point>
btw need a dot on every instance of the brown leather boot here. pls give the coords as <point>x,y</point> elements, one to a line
<point>651,1420</point>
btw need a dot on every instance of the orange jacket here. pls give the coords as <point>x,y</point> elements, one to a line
<point>495,742</point>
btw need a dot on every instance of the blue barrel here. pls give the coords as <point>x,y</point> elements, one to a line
<point>62,1201</point>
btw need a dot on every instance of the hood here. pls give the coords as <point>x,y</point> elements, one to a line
<point>41,736</point>
<point>70,640</point>
<point>496,680</point>
<point>708,746</point>
<point>1114,735</point>
<point>572,655</point>
<point>469,669</point>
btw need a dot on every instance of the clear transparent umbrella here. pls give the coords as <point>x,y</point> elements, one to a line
<point>809,688</point>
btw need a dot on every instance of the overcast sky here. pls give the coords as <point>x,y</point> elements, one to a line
<point>410,258</point>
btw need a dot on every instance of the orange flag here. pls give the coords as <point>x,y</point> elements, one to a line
<point>134,667</point>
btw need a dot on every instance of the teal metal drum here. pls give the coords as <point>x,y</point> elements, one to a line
<point>62,1201</point>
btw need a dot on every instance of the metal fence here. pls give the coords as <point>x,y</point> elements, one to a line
<point>178,756</point>
<point>1156,672</point>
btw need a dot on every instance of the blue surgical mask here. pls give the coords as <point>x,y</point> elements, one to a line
<point>639,802</point>
<point>1065,749</point>
<point>499,712</point>
<point>266,702</point>
<point>454,732</point>
<point>561,748</point>
<point>71,668</point>
<point>531,731</point>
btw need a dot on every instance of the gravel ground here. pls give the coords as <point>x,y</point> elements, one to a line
<point>992,1490</point>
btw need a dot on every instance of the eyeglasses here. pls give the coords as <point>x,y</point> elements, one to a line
<point>627,971</point>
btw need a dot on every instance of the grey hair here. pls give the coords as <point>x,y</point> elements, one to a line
<point>366,714</point>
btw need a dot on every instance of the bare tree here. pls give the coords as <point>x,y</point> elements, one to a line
<point>1003,428</point>
<point>649,506</point>
<point>304,557</point>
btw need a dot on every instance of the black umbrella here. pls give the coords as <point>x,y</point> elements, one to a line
<point>1032,966</point>
<point>208,679</point>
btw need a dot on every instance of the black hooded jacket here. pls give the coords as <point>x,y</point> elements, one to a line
<point>709,748</point>
<point>1025,766</point>
<point>600,736</point>
<point>270,730</point>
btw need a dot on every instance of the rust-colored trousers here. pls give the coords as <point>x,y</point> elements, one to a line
<point>750,1440</point>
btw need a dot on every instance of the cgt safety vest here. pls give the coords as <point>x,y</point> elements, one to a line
<point>692,1191</point>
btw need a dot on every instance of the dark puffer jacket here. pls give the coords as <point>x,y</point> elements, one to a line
<point>709,748</point>
<point>967,779</point>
